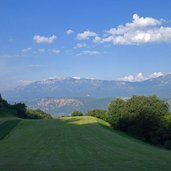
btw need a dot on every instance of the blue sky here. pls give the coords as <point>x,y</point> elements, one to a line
<point>106,39</point>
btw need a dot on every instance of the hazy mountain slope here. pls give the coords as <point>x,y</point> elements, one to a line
<point>71,87</point>
<point>58,106</point>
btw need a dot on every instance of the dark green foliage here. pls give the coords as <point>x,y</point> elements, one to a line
<point>76,113</point>
<point>6,127</point>
<point>142,117</point>
<point>20,110</point>
<point>98,113</point>
<point>4,112</point>
<point>3,103</point>
<point>115,111</point>
<point>37,114</point>
<point>167,131</point>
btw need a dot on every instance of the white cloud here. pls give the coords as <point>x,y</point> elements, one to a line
<point>132,78</point>
<point>44,39</point>
<point>97,39</point>
<point>127,78</point>
<point>26,50</point>
<point>69,32</point>
<point>141,30</point>
<point>143,22</point>
<point>80,45</point>
<point>86,35</point>
<point>89,52</point>
<point>41,50</point>
<point>140,77</point>
<point>54,51</point>
<point>156,74</point>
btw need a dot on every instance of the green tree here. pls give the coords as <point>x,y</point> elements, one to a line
<point>76,113</point>
<point>98,113</point>
<point>37,114</point>
<point>3,103</point>
<point>115,111</point>
<point>140,116</point>
<point>166,134</point>
<point>21,109</point>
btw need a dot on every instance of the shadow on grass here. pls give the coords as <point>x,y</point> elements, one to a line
<point>7,126</point>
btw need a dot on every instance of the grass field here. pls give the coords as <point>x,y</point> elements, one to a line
<point>76,143</point>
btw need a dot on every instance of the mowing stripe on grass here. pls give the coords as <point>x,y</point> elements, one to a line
<point>7,126</point>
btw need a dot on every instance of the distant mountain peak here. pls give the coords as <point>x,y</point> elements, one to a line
<point>77,78</point>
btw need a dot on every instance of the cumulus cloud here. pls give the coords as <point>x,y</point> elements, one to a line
<point>86,35</point>
<point>89,52</point>
<point>141,30</point>
<point>140,77</point>
<point>156,74</point>
<point>44,39</point>
<point>80,45</point>
<point>69,32</point>
<point>132,78</point>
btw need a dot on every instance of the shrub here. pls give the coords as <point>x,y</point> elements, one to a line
<point>76,113</point>
<point>37,114</point>
<point>20,110</point>
<point>98,113</point>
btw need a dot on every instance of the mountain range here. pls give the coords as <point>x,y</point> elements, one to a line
<point>74,87</point>
<point>73,93</point>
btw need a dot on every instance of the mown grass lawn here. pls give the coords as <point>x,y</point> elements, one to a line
<point>76,143</point>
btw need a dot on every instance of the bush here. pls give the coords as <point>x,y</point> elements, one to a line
<point>37,114</point>
<point>98,113</point>
<point>76,113</point>
<point>20,110</point>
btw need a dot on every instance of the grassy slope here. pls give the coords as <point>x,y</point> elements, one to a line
<point>6,115</point>
<point>77,143</point>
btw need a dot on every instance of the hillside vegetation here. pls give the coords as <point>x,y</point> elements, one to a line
<point>20,110</point>
<point>77,143</point>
